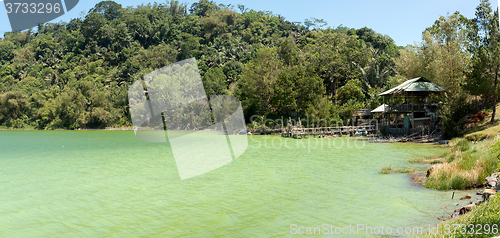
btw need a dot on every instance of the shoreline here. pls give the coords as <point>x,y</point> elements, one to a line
<point>477,194</point>
<point>472,199</point>
<point>371,139</point>
<point>417,178</point>
<point>60,129</point>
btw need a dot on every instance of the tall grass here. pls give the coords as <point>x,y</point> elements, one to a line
<point>429,160</point>
<point>466,165</point>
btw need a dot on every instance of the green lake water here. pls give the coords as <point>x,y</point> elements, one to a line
<point>108,183</point>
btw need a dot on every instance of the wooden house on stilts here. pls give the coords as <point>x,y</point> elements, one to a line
<point>411,108</point>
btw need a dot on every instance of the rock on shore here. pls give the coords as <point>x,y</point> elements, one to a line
<point>468,196</point>
<point>492,186</point>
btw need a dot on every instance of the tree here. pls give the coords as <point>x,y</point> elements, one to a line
<point>377,40</point>
<point>376,71</point>
<point>110,9</point>
<point>258,81</point>
<point>314,23</point>
<point>442,56</point>
<point>92,24</point>
<point>319,111</point>
<point>6,52</point>
<point>350,90</point>
<point>485,48</point>
<point>409,63</point>
<point>242,8</point>
<point>189,47</point>
<point>202,7</point>
<point>297,89</point>
<point>331,56</point>
<point>13,105</point>
<point>232,70</point>
<point>214,82</point>
<point>444,49</point>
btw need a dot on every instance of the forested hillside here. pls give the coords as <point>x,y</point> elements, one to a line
<point>76,75</point>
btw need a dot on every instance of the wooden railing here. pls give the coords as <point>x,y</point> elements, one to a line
<point>300,132</point>
<point>406,108</point>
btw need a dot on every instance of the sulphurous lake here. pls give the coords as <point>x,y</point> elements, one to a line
<point>109,183</point>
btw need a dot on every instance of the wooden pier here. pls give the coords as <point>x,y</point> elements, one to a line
<point>298,131</point>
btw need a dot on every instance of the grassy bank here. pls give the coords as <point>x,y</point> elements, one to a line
<point>482,221</point>
<point>465,165</point>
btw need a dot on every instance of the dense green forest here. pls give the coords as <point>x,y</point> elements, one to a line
<point>77,74</point>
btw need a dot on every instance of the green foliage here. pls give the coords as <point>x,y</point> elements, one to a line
<point>484,37</point>
<point>232,70</point>
<point>377,40</point>
<point>332,56</point>
<point>76,75</point>
<point>110,9</point>
<point>350,90</point>
<point>30,85</point>
<point>6,52</point>
<point>453,111</point>
<point>297,90</point>
<point>346,110</point>
<point>203,7</point>
<point>319,112</point>
<point>13,105</point>
<point>463,56</point>
<point>314,24</point>
<point>214,82</point>
<point>258,82</point>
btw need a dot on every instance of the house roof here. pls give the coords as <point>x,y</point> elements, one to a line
<point>381,108</point>
<point>420,84</point>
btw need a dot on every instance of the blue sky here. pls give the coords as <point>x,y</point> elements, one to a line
<point>402,20</point>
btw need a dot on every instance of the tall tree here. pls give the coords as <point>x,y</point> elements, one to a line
<point>110,9</point>
<point>259,79</point>
<point>485,47</point>
<point>331,56</point>
<point>444,47</point>
<point>6,52</point>
<point>13,104</point>
<point>442,56</point>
